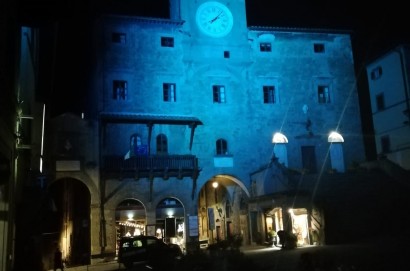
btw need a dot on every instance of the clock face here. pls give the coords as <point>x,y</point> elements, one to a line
<point>214,19</point>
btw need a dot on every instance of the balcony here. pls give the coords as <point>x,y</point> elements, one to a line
<point>154,166</point>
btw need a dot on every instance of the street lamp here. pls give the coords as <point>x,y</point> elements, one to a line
<point>215,186</point>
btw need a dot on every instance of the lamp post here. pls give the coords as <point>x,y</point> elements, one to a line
<point>215,186</point>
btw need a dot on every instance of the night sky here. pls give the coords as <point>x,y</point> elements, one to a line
<point>376,26</point>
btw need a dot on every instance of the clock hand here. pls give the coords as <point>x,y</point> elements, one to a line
<point>216,18</point>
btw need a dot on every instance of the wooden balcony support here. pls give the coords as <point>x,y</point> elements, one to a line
<point>150,120</point>
<point>191,140</point>
<point>151,189</point>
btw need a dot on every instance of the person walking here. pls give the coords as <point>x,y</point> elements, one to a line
<point>58,260</point>
<point>282,238</point>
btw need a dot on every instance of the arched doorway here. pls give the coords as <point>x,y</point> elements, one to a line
<point>336,151</point>
<point>130,217</point>
<point>279,149</point>
<point>68,225</point>
<point>222,211</point>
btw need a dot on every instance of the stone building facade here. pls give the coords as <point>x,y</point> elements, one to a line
<point>178,104</point>
<point>390,109</point>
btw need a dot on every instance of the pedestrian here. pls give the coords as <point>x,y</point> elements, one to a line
<point>282,238</point>
<point>58,260</point>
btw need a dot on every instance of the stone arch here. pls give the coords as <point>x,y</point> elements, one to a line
<point>215,222</point>
<point>85,179</point>
<point>113,230</point>
<point>130,217</point>
<point>234,180</point>
<point>71,227</point>
<point>132,189</point>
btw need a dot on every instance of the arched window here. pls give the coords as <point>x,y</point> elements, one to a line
<point>221,147</point>
<point>135,143</point>
<point>336,151</point>
<point>162,144</point>
<point>279,138</point>
<point>279,149</point>
<point>335,137</point>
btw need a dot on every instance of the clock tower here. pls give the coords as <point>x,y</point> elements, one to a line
<point>219,20</point>
<point>214,19</point>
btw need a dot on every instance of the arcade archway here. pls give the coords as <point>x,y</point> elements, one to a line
<point>130,217</point>
<point>68,223</point>
<point>222,211</point>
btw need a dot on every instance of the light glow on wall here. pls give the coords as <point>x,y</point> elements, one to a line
<point>170,213</point>
<point>335,137</point>
<point>279,138</point>
<point>42,139</point>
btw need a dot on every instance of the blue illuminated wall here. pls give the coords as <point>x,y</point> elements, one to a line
<point>243,87</point>
<point>298,64</point>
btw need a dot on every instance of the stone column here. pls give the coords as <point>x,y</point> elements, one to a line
<point>95,231</point>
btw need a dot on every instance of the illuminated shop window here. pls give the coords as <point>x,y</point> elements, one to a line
<point>119,90</point>
<point>219,94</point>
<point>167,42</point>
<point>221,147</point>
<point>269,94</point>
<point>169,92</point>
<point>265,47</point>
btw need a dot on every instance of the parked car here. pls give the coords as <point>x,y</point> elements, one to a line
<point>148,252</point>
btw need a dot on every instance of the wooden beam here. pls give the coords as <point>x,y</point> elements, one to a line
<point>192,126</point>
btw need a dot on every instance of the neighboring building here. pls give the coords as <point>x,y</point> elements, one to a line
<point>8,116</point>
<point>388,80</point>
<point>182,104</point>
<point>21,144</point>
